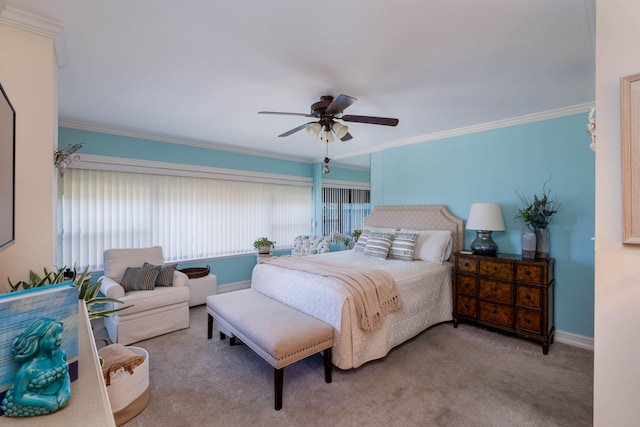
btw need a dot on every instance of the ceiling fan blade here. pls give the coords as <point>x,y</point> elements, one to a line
<point>294,130</point>
<point>346,137</point>
<point>339,104</point>
<point>385,121</point>
<point>285,114</point>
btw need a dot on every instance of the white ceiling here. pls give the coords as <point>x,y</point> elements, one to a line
<point>200,70</point>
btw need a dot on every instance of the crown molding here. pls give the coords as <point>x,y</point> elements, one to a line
<point>30,22</point>
<point>529,118</point>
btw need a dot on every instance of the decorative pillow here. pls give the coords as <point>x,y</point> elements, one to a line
<point>140,278</point>
<point>362,241</point>
<point>378,244</point>
<point>165,277</point>
<point>403,246</point>
<point>431,245</point>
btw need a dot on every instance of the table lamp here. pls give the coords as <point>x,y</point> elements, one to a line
<point>485,218</point>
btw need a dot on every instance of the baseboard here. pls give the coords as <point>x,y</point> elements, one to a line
<point>574,340</point>
<point>235,286</point>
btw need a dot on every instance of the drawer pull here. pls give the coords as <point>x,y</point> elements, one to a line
<point>466,285</point>
<point>466,305</point>
<point>527,296</point>
<point>466,264</point>
<point>527,320</point>
<point>495,289</point>
<point>528,273</point>
<point>495,311</point>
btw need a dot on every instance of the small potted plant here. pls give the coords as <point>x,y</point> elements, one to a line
<point>264,245</point>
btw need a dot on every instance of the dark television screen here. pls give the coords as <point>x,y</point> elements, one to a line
<point>7,170</point>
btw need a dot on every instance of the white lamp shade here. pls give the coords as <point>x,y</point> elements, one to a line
<point>340,130</point>
<point>314,130</point>
<point>485,216</point>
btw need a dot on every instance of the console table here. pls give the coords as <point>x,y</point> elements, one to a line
<point>89,404</point>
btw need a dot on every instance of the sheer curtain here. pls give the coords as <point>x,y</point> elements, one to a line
<point>191,218</point>
<point>344,209</point>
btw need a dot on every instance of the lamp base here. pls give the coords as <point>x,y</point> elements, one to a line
<point>484,244</point>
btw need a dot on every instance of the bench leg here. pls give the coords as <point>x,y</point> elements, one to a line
<point>209,326</point>
<point>327,365</point>
<point>277,381</point>
<point>222,335</point>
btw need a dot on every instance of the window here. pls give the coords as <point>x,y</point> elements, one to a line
<point>190,217</point>
<point>344,209</point>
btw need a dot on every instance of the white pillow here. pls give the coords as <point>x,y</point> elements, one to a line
<point>431,245</point>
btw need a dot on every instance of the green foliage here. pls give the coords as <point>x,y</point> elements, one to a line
<point>87,291</point>
<point>263,241</point>
<point>538,213</point>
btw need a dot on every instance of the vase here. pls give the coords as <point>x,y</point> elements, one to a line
<point>542,243</point>
<point>528,238</point>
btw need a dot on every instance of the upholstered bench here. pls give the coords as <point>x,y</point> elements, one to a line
<point>279,334</point>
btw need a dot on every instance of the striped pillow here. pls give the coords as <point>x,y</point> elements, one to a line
<point>362,241</point>
<point>403,246</point>
<point>165,277</point>
<point>378,245</point>
<point>140,278</point>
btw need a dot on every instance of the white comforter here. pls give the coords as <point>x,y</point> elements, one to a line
<point>425,289</point>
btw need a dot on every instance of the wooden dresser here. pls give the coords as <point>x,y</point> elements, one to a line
<point>505,292</point>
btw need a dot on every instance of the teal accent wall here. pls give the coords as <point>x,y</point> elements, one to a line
<point>495,165</point>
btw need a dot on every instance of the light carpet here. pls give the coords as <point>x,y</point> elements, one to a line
<point>467,376</point>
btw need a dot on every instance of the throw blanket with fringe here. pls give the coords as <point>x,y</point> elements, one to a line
<point>374,291</point>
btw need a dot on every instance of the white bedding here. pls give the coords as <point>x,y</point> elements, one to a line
<point>425,289</point>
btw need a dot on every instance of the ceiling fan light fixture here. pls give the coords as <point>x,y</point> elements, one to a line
<point>340,130</point>
<point>314,130</point>
<point>327,136</point>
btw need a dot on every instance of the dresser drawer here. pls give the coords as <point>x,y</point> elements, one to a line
<point>466,285</point>
<point>496,269</point>
<point>529,320</point>
<point>528,296</point>
<point>466,306</point>
<point>466,265</point>
<point>530,273</point>
<point>496,291</point>
<point>496,313</point>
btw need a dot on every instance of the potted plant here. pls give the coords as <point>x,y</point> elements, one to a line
<point>536,214</point>
<point>264,245</point>
<point>87,291</point>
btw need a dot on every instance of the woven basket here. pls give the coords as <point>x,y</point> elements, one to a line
<point>195,272</point>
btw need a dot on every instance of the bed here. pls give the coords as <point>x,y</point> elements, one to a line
<point>424,287</point>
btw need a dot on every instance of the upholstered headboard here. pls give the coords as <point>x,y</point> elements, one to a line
<point>426,217</point>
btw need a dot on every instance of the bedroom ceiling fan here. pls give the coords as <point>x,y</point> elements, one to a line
<point>327,111</point>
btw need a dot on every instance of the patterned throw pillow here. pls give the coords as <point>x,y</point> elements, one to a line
<point>165,277</point>
<point>362,241</point>
<point>378,245</point>
<point>403,246</point>
<point>140,278</point>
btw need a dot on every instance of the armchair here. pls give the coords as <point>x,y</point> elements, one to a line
<point>155,311</point>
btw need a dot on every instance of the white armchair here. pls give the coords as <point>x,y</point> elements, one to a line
<point>153,312</point>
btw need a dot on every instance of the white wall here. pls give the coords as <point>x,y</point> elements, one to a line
<point>28,75</point>
<point>617,290</point>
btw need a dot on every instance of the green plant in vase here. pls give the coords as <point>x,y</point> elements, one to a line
<point>264,245</point>
<point>536,214</point>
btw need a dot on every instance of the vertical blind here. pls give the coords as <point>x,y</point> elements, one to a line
<point>191,218</point>
<point>344,209</point>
